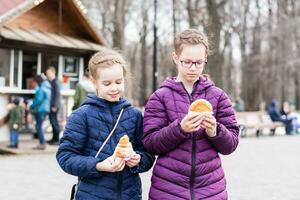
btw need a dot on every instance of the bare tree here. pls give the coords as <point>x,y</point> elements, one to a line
<point>268,44</point>
<point>190,10</point>
<point>144,53</point>
<point>174,8</point>
<point>119,24</point>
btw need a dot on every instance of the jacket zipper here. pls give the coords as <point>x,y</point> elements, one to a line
<point>120,176</point>
<point>112,115</point>
<point>119,186</point>
<point>192,177</point>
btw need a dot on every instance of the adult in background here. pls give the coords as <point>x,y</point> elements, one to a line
<point>41,107</point>
<point>55,104</point>
<point>277,117</point>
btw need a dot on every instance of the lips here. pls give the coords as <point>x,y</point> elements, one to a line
<point>113,95</point>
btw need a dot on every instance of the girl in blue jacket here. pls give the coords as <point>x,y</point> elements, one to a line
<point>106,176</point>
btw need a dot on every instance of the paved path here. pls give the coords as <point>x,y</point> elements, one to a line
<point>265,168</point>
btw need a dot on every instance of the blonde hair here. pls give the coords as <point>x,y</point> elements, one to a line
<point>106,58</point>
<point>190,37</point>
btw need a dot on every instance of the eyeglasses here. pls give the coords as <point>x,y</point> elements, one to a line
<point>188,63</point>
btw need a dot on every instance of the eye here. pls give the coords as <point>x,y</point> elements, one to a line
<point>187,62</point>
<point>106,83</point>
<point>199,62</point>
<point>120,81</point>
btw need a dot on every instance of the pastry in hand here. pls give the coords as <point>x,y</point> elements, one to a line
<point>124,148</point>
<point>201,106</point>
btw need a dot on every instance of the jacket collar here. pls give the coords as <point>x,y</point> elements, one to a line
<point>92,99</point>
<point>199,86</point>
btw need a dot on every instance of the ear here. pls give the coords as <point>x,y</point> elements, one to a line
<point>175,57</point>
<point>93,80</point>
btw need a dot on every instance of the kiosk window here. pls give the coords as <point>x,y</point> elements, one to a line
<point>29,69</point>
<point>70,72</point>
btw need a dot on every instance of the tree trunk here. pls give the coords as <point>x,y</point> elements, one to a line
<point>213,30</point>
<point>192,23</point>
<point>119,24</point>
<point>144,56</point>
<point>174,6</point>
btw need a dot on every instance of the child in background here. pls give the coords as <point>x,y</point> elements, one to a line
<point>14,122</point>
<point>105,176</point>
<point>188,146</point>
<point>83,88</point>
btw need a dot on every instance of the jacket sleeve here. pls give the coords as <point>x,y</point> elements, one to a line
<point>159,137</point>
<point>38,98</point>
<point>70,152</point>
<point>227,137</point>
<point>147,159</point>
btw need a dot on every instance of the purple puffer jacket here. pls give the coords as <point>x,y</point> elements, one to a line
<point>188,165</point>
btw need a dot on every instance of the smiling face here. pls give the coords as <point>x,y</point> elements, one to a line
<point>110,82</point>
<point>190,62</point>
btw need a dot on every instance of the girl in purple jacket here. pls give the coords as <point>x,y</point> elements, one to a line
<point>188,147</point>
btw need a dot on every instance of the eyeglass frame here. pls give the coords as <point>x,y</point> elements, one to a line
<point>193,63</point>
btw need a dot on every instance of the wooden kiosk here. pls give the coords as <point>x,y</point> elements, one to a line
<point>35,34</point>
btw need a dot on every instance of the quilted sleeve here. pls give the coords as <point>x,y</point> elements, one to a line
<point>147,159</point>
<point>227,137</point>
<point>70,152</point>
<point>159,137</point>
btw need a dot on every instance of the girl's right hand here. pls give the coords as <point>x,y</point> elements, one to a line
<point>111,164</point>
<point>191,123</point>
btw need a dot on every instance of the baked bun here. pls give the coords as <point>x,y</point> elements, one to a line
<point>124,141</point>
<point>200,106</point>
<point>124,148</point>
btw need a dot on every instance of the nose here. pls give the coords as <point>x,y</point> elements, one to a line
<point>113,87</point>
<point>193,67</point>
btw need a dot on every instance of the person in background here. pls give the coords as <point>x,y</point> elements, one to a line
<point>41,107</point>
<point>277,117</point>
<point>14,122</point>
<point>239,105</point>
<point>83,88</point>
<point>55,104</point>
<point>288,113</point>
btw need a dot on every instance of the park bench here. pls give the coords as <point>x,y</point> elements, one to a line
<point>256,121</point>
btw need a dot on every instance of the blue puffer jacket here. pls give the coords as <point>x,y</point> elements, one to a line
<point>86,130</point>
<point>41,102</point>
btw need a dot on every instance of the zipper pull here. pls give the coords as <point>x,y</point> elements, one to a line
<point>191,98</point>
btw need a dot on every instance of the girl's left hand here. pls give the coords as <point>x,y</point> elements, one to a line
<point>209,123</point>
<point>134,160</point>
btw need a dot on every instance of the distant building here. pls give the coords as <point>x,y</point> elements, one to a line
<point>35,34</point>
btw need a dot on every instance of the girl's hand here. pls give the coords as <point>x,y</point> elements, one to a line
<point>191,123</point>
<point>111,164</point>
<point>209,123</point>
<point>134,160</point>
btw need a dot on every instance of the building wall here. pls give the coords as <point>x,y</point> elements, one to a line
<point>45,18</point>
